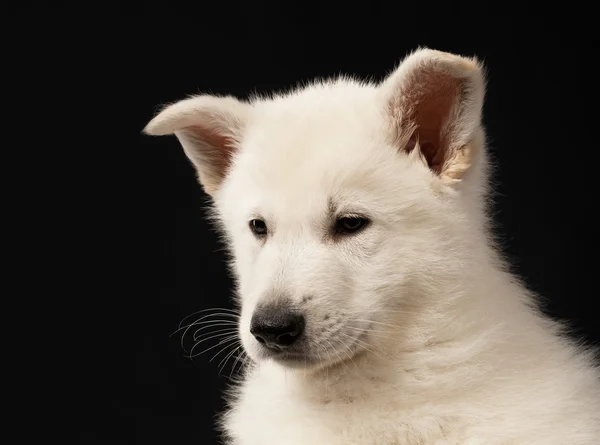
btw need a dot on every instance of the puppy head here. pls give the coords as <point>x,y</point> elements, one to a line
<point>342,202</point>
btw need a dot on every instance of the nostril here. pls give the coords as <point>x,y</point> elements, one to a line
<point>287,339</point>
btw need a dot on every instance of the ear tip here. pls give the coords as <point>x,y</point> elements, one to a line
<point>161,123</point>
<point>465,64</point>
<point>156,128</point>
<point>149,130</point>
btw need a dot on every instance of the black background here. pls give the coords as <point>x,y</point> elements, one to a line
<point>153,256</point>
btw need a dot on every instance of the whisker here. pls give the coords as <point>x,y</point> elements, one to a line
<point>213,314</point>
<point>374,332</point>
<point>377,322</point>
<point>225,345</point>
<point>386,311</point>
<point>229,311</point>
<point>232,327</point>
<point>350,354</point>
<point>327,352</point>
<point>224,341</point>
<point>318,355</point>
<point>222,334</point>
<point>344,358</point>
<point>226,359</point>
<point>243,362</point>
<point>218,320</point>
<point>365,345</point>
<point>336,353</point>
<point>204,317</point>
<point>327,368</point>
<point>193,324</point>
<point>209,326</point>
<point>222,331</point>
<point>229,346</point>
<point>211,323</point>
<point>216,325</point>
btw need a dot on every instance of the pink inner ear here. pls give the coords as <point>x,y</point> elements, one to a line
<point>219,147</point>
<point>431,98</point>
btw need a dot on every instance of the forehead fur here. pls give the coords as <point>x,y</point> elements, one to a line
<point>326,139</point>
<point>318,121</point>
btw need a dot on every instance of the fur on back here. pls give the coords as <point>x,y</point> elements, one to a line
<point>416,331</point>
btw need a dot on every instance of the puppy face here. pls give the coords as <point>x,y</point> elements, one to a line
<point>339,201</point>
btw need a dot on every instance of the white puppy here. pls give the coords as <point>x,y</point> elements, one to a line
<point>374,305</point>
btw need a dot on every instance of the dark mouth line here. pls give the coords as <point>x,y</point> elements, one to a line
<point>291,356</point>
<point>295,357</point>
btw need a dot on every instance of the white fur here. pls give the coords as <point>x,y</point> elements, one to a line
<point>453,350</point>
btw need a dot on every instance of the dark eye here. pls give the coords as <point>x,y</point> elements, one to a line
<point>258,227</point>
<point>350,224</point>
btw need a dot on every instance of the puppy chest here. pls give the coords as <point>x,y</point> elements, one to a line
<point>291,420</point>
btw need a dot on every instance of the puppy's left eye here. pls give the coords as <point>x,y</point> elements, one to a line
<point>350,224</point>
<point>258,227</point>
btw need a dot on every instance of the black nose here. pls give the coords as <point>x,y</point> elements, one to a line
<point>276,327</point>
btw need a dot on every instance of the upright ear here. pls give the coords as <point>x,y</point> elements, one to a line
<point>434,102</point>
<point>210,130</point>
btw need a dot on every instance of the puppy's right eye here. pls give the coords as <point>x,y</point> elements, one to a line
<point>351,224</point>
<point>258,227</point>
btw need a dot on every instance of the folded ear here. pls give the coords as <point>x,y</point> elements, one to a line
<point>210,130</point>
<point>434,102</point>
